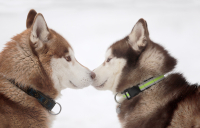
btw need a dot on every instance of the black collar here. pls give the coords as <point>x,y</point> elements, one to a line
<point>45,101</point>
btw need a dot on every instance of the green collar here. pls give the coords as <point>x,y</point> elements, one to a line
<point>135,90</point>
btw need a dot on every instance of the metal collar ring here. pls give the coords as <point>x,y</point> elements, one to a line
<point>116,98</point>
<point>59,110</point>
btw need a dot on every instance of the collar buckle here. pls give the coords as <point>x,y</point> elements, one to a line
<point>131,92</point>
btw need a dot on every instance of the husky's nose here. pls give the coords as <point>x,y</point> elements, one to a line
<point>93,75</point>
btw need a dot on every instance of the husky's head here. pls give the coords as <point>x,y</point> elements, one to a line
<point>131,60</point>
<point>41,58</point>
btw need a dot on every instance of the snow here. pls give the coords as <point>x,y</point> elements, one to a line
<point>91,26</point>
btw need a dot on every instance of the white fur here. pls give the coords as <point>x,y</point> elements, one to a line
<point>137,41</point>
<point>109,74</point>
<point>69,74</point>
<point>39,24</point>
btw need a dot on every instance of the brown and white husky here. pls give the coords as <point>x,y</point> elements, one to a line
<point>170,102</point>
<point>40,61</point>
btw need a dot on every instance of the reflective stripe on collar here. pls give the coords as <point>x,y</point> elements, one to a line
<point>135,90</point>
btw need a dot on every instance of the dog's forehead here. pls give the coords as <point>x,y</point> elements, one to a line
<point>59,45</point>
<point>108,53</point>
<point>71,52</point>
<point>122,49</point>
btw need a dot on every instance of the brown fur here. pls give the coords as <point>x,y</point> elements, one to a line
<point>30,18</point>
<point>30,67</point>
<point>173,102</point>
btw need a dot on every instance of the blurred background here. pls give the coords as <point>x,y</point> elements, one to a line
<point>91,26</point>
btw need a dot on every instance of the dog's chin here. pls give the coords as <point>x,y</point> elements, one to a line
<point>74,86</point>
<point>101,86</point>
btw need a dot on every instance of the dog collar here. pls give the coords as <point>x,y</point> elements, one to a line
<point>44,100</point>
<point>135,90</point>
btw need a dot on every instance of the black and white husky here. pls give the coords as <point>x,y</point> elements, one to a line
<point>135,68</point>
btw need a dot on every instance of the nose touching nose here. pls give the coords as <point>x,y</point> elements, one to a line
<point>93,75</point>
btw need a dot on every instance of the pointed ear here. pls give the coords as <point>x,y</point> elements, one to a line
<point>40,31</point>
<point>139,36</point>
<point>31,15</point>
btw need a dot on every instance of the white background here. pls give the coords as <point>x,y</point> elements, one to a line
<point>91,26</point>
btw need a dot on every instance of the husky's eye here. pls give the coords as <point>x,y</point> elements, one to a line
<point>108,60</point>
<point>68,58</point>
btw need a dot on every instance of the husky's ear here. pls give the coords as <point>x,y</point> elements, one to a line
<point>139,35</point>
<point>39,32</point>
<point>31,15</point>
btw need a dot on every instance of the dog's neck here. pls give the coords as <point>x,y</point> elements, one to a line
<point>173,87</point>
<point>139,88</point>
<point>153,61</point>
<point>17,61</point>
